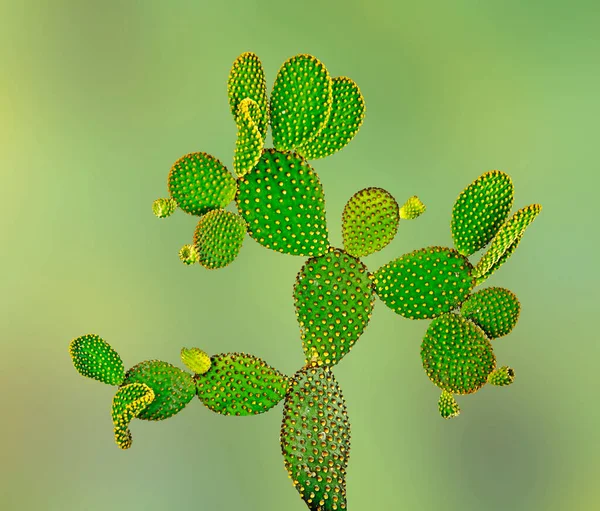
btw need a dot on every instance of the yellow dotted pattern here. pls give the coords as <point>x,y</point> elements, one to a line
<point>494,309</point>
<point>456,354</point>
<point>315,438</point>
<point>94,358</point>
<point>412,208</point>
<point>480,210</point>
<point>300,102</point>
<point>425,283</point>
<point>188,254</point>
<point>448,406</point>
<point>218,238</point>
<point>163,208</point>
<point>195,360</point>
<point>334,298</point>
<point>249,143</point>
<point>502,376</point>
<point>480,279</point>
<point>346,117</point>
<point>369,221</point>
<point>127,404</point>
<point>240,384</point>
<point>283,204</point>
<point>198,182</point>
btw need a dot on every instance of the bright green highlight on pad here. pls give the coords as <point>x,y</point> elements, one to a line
<point>412,208</point>
<point>198,182</point>
<point>128,403</point>
<point>334,299</point>
<point>448,406</point>
<point>164,208</point>
<point>369,221</point>
<point>240,384</point>
<point>494,309</point>
<point>315,438</point>
<point>249,144</point>
<point>300,102</point>
<point>218,238</point>
<point>282,201</point>
<point>188,254</point>
<point>425,283</point>
<point>172,387</point>
<point>345,119</point>
<point>195,360</point>
<point>480,210</point>
<point>94,358</point>
<point>502,376</point>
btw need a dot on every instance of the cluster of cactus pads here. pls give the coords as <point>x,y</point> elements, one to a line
<point>280,203</point>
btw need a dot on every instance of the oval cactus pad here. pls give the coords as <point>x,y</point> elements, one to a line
<point>240,384</point>
<point>300,102</point>
<point>198,182</point>
<point>128,403</point>
<point>494,309</point>
<point>425,283</point>
<point>315,438</point>
<point>218,238</point>
<point>369,222</point>
<point>282,201</point>
<point>94,358</point>
<point>480,210</point>
<point>334,299</point>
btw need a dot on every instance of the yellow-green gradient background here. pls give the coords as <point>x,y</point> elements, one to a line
<point>98,98</point>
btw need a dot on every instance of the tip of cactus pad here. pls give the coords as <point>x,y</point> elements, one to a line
<point>128,403</point>
<point>163,208</point>
<point>448,406</point>
<point>188,254</point>
<point>195,360</point>
<point>412,208</point>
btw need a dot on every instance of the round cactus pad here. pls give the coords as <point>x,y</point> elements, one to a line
<point>198,182</point>
<point>345,119</point>
<point>218,238</point>
<point>480,210</point>
<point>250,141</point>
<point>334,299</point>
<point>128,403</point>
<point>425,283</point>
<point>188,255</point>
<point>369,222</point>
<point>494,309</point>
<point>282,201</point>
<point>240,384</point>
<point>94,358</point>
<point>315,438</point>
<point>456,354</point>
<point>300,102</point>
<point>172,387</point>
<point>163,208</point>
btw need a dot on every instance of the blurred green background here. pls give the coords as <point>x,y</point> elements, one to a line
<point>98,99</point>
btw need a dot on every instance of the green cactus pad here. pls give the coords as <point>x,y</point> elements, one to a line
<point>315,438</point>
<point>249,144</point>
<point>509,234</point>
<point>163,208</point>
<point>448,406</point>
<point>198,182</point>
<point>480,210</point>
<point>369,221</point>
<point>218,238</point>
<point>173,388</point>
<point>347,115</point>
<point>412,208</point>
<point>300,102</point>
<point>509,251</point>
<point>502,376</point>
<point>282,201</point>
<point>195,360</point>
<point>188,254</point>
<point>94,358</point>
<point>240,384</point>
<point>334,299</point>
<point>425,283</point>
<point>456,354</point>
<point>494,309</point>
<point>247,80</point>
<point>128,403</point>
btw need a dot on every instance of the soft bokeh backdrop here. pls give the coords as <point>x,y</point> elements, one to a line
<point>98,98</point>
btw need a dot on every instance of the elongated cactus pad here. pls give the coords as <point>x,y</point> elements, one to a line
<point>300,102</point>
<point>188,254</point>
<point>369,222</point>
<point>315,438</point>
<point>94,358</point>
<point>128,403</point>
<point>199,182</point>
<point>240,384</point>
<point>425,283</point>
<point>347,115</point>
<point>172,387</point>
<point>196,360</point>
<point>164,208</point>
<point>480,210</point>
<point>448,406</point>
<point>249,144</point>
<point>412,208</point>
<point>509,234</point>
<point>456,354</point>
<point>334,299</point>
<point>509,251</point>
<point>282,201</point>
<point>247,80</point>
<point>502,376</point>
<point>494,309</point>
<point>218,238</point>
